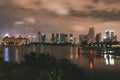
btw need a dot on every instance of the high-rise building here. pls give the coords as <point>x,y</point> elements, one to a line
<point>71,38</point>
<point>63,38</point>
<point>57,38</point>
<point>91,35</point>
<point>43,38</point>
<point>109,36</point>
<point>98,37</point>
<point>82,38</point>
<point>53,38</point>
<point>39,37</point>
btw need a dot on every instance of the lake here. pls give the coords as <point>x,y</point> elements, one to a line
<point>101,64</point>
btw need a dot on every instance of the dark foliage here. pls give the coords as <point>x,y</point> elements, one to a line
<point>40,67</point>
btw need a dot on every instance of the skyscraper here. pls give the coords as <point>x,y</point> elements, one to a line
<point>82,38</point>
<point>91,35</point>
<point>71,38</point>
<point>109,36</point>
<point>57,38</point>
<point>53,38</point>
<point>39,37</point>
<point>98,37</point>
<point>63,38</point>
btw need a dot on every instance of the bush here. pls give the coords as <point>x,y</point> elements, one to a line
<point>40,67</point>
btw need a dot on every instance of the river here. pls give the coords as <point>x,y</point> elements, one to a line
<point>97,64</point>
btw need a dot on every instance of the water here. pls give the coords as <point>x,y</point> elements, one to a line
<point>97,64</point>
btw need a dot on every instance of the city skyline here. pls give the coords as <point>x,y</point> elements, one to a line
<point>50,16</point>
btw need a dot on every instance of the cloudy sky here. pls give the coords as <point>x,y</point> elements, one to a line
<point>24,17</point>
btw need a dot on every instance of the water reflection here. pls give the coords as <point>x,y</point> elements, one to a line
<point>100,59</point>
<point>90,59</point>
<point>17,56</point>
<point>6,54</point>
<point>109,59</point>
<point>71,53</point>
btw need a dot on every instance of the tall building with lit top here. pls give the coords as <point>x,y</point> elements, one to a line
<point>91,35</point>
<point>109,36</point>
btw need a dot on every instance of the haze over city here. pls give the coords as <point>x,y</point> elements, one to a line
<point>27,17</point>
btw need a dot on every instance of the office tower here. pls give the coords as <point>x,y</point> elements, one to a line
<point>91,35</point>
<point>53,38</point>
<point>109,36</point>
<point>82,38</point>
<point>98,37</point>
<point>71,38</point>
<point>39,37</point>
<point>43,38</point>
<point>63,38</point>
<point>57,37</point>
<point>115,38</point>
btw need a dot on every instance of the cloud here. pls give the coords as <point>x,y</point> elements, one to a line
<point>30,16</point>
<point>106,1</point>
<point>62,7</point>
<point>98,14</point>
<point>18,23</point>
<point>30,20</point>
<point>78,28</point>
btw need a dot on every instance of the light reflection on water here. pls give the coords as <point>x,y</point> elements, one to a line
<point>17,55</point>
<point>6,54</point>
<point>89,59</point>
<point>96,63</point>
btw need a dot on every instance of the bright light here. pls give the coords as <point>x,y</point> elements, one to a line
<point>109,30</point>
<point>6,54</point>
<point>104,37</point>
<point>6,35</point>
<point>106,61</point>
<point>91,65</point>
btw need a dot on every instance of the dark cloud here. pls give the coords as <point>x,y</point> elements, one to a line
<point>102,15</point>
<point>112,1</point>
<point>105,15</point>
<point>106,1</point>
<point>89,7</point>
<point>95,1</point>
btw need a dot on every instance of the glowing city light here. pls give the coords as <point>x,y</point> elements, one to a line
<point>91,65</point>
<point>6,54</point>
<point>17,56</point>
<point>6,35</point>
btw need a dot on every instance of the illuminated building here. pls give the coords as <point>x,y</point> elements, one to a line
<point>91,35</point>
<point>57,38</point>
<point>39,37</point>
<point>43,38</point>
<point>109,36</point>
<point>71,38</point>
<point>82,38</point>
<point>13,41</point>
<point>53,38</point>
<point>98,37</point>
<point>63,38</point>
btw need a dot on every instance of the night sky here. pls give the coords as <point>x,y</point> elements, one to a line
<point>27,17</point>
